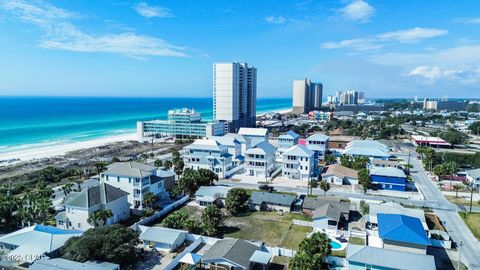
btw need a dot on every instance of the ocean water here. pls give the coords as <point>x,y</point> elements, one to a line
<point>34,121</point>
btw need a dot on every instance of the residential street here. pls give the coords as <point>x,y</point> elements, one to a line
<point>452,221</point>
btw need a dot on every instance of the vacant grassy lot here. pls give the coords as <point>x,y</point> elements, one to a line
<point>273,228</point>
<point>356,241</point>
<point>461,201</point>
<point>473,222</point>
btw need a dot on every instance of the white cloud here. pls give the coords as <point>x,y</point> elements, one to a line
<point>275,19</point>
<point>475,20</point>
<point>358,10</point>
<point>378,41</point>
<point>60,33</point>
<point>457,64</point>
<point>147,11</point>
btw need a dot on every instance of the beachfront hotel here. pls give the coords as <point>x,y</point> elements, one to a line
<point>306,96</point>
<point>235,95</point>
<point>180,123</point>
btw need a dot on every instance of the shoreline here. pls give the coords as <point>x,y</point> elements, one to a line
<point>48,151</point>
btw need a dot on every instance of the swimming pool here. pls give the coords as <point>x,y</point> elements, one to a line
<point>335,245</point>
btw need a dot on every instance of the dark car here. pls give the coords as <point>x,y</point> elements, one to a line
<point>266,187</point>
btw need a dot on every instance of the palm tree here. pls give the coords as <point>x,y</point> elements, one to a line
<point>325,186</point>
<point>149,199</point>
<point>67,188</point>
<point>451,168</point>
<point>99,217</point>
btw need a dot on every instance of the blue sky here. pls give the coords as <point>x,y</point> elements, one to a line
<point>166,48</point>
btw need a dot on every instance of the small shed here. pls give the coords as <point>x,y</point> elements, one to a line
<point>161,238</point>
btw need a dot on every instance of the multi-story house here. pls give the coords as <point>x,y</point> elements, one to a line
<point>234,147</point>
<point>298,163</point>
<point>136,179</point>
<point>80,205</point>
<point>209,154</point>
<point>254,136</point>
<point>286,140</point>
<point>318,143</point>
<point>260,160</point>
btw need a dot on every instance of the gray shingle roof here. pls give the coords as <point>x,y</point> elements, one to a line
<point>475,174</point>
<point>312,203</point>
<point>63,264</point>
<point>234,250</point>
<point>130,169</point>
<point>160,234</point>
<point>258,198</point>
<point>388,258</point>
<point>100,194</point>
<point>388,171</point>
<point>333,210</point>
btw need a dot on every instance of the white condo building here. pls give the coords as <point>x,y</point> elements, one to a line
<point>298,163</point>
<point>260,160</point>
<point>234,95</point>
<point>136,179</point>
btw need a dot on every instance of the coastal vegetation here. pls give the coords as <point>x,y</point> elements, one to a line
<point>312,252</point>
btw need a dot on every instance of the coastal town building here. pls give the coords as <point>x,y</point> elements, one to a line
<point>306,96</point>
<point>37,241</point>
<point>161,238</point>
<point>64,264</point>
<point>136,179</point>
<point>234,148</point>
<point>367,148</point>
<point>286,140</point>
<point>340,175</point>
<point>393,208</point>
<point>79,206</point>
<point>209,154</point>
<point>388,178</point>
<point>234,95</point>
<point>181,123</point>
<point>266,201</point>
<point>436,142</point>
<point>260,160</point>
<point>235,254</point>
<point>208,195</point>
<point>298,163</point>
<point>318,143</point>
<point>330,215</point>
<point>254,136</point>
<point>368,257</point>
<point>473,178</point>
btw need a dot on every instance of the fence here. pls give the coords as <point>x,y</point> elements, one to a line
<point>177,259</point>
<point>278,251</point>
<point>302,223</point>
<point>161,213</point>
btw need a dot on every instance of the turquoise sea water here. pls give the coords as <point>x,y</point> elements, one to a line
<point>32,121</point>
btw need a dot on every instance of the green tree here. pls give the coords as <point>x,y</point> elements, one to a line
<point>100,167</point>
<point>178,169</point>
<point>175,155</point>
<point>212,218</point>
<point>207,177</point>
<point>345,161</point>
<point>439,170</point>
<point>312,252</point>
<point>167,164</point>
<point>325,186</point>
<point>454,137</point>
<point>457,188</point>
<point>330,159</point>
<point>236,200</point>
<point>451,168</point>
<point>364,179</point>
<point>115,159</point>
<point>359,163</point>
<point>114,243</point>
<point>99,218</point>
<point>158,163</point>
<point>475,128</point>
<point>176,220</point>
<point>149,199</point>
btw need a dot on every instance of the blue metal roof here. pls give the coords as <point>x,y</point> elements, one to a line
<point>402,228</point>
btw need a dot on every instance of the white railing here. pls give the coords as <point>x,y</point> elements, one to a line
<point>302,223</point>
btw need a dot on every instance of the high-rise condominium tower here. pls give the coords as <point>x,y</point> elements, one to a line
<point>235,95</point>
<point>306,96</point>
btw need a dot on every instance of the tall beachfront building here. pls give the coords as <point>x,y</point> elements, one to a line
<point>235,95</point>
<point>306,96</point>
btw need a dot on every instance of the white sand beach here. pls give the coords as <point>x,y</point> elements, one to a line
<point>61,149</point>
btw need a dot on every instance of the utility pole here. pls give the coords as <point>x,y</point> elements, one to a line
<point>459,255</point>
<point>471,195</point>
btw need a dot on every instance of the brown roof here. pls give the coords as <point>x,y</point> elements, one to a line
<point>341,171</point>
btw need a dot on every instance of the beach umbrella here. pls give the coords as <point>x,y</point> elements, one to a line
<point>190,258</point>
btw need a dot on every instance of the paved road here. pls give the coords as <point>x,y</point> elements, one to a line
<point>452,221</point>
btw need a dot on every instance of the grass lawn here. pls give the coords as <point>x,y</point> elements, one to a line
<point>356,241</point>
<point>461,201</point>
<point>473,222</point>
<point>273,228</point>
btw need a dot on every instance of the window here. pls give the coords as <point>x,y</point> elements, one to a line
<point>60,223</point>
<point>129,180</point>
<point>118,178</point>
<point>79,225</point>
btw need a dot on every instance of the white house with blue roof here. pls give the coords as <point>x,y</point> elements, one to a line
<point>209,154</point>
<point>254,136</point>
<point>285,141</point>
<point>298,163</point>
<point>318,143</point>
<point>402,233</point>
<point>234,147</point>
